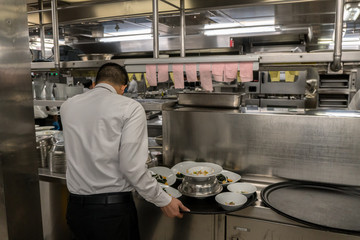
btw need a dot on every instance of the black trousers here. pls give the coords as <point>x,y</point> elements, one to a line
<point>91,220</point>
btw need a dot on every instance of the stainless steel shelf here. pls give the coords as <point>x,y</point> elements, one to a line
<point>73,64</point>
<point>148,104</point>
<point>314,57</point>
<point>138,65</point>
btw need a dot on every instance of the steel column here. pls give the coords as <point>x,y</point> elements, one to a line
<point>55,27</point>
<point>42,29</point>
<point>336,65</point>
<point>156,28</point>
<point>182,28</point>
<point>20,213</point>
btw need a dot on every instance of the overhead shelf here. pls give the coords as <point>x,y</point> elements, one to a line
<point>139,64</point>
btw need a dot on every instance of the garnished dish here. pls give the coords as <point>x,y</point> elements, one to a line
<point>223,179</point>
<point>159,178</point>
<point>227,177</point>
<point>230,203</point>
<point>179,168</point>
<point>163,175</point>
<point>180,175</point>
<point>201,170</point>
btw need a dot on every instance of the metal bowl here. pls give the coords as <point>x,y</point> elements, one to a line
<point>200,189</point>
<point>87,57</point>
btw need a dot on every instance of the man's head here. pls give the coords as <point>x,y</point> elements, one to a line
<point>113,74</point>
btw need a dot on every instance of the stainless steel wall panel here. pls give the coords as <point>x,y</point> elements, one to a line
<point>300,147</point>
<point>20,216</point>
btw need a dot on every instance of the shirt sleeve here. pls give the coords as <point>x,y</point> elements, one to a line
<point>133,154</point>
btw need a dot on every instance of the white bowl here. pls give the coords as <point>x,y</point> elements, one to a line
<point>165,173</point>
<point>172,192</point>
<point>230,201</point>
<point>246,189</point>
<point>179,168</point>
<point>231,177</point>
<point>201,171</point>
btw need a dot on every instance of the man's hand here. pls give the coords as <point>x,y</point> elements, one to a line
<point>173,209</point>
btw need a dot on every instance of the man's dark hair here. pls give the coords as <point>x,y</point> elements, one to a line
<point>113,73</point>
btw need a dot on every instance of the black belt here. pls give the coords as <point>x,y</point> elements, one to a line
<point>104,198</point>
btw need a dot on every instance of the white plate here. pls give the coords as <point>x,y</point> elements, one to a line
<point>165,173</point>
<point>172,191</point>
<point>178,168</point>
<point>230,176</point>
<point>246,189</point>
<point>44,128</point>
<point>201,170</point>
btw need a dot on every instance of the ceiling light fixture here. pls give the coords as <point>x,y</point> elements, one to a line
<point>126,38</point>
<point>127,33</point>
<point>243,30</point>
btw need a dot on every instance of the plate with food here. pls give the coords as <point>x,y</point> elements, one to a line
<point>201,170</point>
<point>163,175</point>
<point>172,192</point>
<point>179,168</point>
<point>226,177</point>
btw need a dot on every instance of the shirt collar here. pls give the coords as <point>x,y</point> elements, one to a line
<point>107,86</point>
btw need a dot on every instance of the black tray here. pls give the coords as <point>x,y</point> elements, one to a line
<point>210,206</point>
<point>328,207</point>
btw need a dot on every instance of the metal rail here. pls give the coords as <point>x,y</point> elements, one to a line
<point>182,28</point>
<point>336,64</point>
<point>55,27</point>
<point>156,28</point>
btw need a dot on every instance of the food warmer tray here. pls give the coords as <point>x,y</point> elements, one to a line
<point>328,207</point>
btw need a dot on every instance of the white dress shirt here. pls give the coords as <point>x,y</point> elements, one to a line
<point>106,145</point>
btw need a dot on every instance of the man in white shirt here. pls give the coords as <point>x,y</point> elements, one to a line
<point>106,148</point>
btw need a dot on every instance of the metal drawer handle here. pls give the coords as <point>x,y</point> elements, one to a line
<point>242,229</point>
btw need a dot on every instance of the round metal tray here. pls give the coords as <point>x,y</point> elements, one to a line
<point>323,206</point>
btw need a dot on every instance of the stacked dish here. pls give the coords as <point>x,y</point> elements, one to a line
<point>199,179</point>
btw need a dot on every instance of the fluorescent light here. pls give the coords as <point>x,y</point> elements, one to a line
<point>126,38</point>
<point>241,23</point>
<point>127,33</point>
<point>244,30</point>
<point>263,22</point>
<point>221,25</point>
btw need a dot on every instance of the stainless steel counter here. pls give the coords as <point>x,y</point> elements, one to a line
<point>154,225</point>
